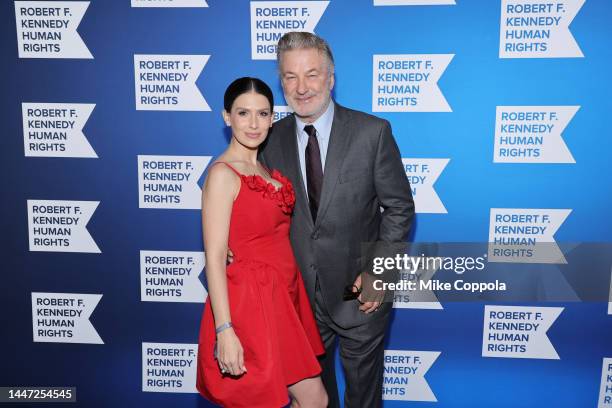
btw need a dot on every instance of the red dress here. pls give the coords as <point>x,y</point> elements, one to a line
<point>269,306</point>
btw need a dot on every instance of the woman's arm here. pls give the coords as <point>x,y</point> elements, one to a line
<point>220,189</point>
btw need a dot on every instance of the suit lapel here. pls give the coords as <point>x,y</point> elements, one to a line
<point>336,150</point>
<point>289,149</point>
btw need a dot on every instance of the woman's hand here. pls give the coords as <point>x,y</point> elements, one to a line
<point>230,355</point>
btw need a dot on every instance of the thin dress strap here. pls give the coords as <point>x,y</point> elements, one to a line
<point>268,171</point>
<point>228,165</point>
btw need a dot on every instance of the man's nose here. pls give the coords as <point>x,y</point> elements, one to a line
<point>301,86</point>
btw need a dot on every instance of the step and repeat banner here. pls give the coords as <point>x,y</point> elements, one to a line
<point>111,114</point>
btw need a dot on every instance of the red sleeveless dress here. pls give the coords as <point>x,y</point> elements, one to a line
<point>269,305</point>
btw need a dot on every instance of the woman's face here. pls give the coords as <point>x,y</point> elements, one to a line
<point>250,119</point>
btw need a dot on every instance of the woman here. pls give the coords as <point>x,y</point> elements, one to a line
<point>258,337</point>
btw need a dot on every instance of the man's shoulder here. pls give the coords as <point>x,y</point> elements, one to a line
<point>359,116</point>
<point>286,124</point>
<point>362,120</point>
<point>282,127</point>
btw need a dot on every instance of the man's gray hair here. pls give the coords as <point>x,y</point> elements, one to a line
<point>304,40</point>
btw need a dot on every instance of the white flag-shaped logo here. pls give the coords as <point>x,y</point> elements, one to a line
<point>404,372</point>
<point>422,174</point>
<point>538,29</point>
<point>409,83</point>
<point>281,111</point>
<point>605,390</point>
<point>419,298</point>
<point>171,276</point>
<point>169,367</point>
<point>270,20</point>
<point>168,82</point>
<point>61,225</point>
<point>525,235</point>
<point>518,332</point>
<point>56,129</point>
<point>170,181</point>
<point>532,134</point>
<point>64,318</point>
<point>48,29</point>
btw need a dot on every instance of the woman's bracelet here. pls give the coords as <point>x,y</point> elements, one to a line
<point>223,327</point>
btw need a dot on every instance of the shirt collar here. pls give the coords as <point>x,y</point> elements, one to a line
<point>322,125</point>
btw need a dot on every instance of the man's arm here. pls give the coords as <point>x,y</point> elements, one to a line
<point>393,189</point>
<point>395,196</point>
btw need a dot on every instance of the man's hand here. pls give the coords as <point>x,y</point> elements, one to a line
<point>374,297</point>
<point>230,256</point>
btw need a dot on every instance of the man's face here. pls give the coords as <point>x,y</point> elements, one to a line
<point>307,82</point>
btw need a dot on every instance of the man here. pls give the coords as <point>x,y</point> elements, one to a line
<point>345,166</point>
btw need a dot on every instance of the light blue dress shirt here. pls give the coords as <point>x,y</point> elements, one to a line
<point>323,126</point>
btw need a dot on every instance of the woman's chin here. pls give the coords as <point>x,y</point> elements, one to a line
<point>250,143</point>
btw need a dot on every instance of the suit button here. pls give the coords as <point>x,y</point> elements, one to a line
<point>315,235</point>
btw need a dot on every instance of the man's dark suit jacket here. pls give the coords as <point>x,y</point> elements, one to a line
<point>363,172</point>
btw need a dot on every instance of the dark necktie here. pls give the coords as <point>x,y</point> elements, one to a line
<point>314,170</point>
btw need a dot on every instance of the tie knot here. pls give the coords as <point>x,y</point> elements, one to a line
<point>310,130</point>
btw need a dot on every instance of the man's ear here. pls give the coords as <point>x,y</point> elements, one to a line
<point>332,80</point>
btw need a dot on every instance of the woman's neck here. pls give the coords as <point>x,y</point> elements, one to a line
<point>242,153</point>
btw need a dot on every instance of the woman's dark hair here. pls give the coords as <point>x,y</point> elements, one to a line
<point>244,85</point>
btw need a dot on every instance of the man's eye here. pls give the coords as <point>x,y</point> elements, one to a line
<point>242,113</point>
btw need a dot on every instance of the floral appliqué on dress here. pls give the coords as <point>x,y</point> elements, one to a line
<point>284,196</point>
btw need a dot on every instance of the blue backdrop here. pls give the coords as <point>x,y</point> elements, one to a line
<point>475,82</point>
